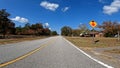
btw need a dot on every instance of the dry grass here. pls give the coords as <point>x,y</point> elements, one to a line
<point>116,51</point>
<point>14,40</point>
<point>88,42</point>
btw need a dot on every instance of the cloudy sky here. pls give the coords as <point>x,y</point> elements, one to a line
<point>57,13</point>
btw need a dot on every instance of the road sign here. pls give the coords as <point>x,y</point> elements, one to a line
<point>93,24</point>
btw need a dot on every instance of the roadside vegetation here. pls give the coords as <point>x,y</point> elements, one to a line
<point>105,35</point>
<point>8,28</point>
<point>88,42</point>
<point>10,33</point>
<point>15,40</point>
<point>107,29</point>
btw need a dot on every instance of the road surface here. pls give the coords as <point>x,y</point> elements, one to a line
<point>53,52</point>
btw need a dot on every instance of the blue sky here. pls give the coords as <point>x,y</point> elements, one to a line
<point>59,13</point>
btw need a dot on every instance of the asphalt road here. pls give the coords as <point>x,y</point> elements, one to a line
<point>53,52</point>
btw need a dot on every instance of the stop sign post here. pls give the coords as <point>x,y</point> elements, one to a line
<point>93,24</point>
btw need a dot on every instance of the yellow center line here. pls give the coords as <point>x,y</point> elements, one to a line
<point>25,55</point>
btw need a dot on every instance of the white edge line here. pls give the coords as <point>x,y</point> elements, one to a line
<point>89,55</point>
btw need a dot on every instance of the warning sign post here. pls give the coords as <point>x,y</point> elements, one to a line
<point>93,24</point>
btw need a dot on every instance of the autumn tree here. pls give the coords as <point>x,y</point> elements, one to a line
<point>11,28</point>
<point>27,26</point>
<point>66,31</point>
<point>76,32</point>
<point>83,28</point>
<point>8,27</point>
<point>110,28</point>
<point>18,30</point>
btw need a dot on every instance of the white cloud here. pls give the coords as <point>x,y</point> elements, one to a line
<point>112,8</point>
<point>49,28</point>
<point>65,9</point>
<point>49,6</point>
<point>46,24</point>
<point>102,1</point>
<point>20,19</point>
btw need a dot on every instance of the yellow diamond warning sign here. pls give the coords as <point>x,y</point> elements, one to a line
<point>93,24</point>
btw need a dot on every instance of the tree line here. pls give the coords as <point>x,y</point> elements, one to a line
<point>108,28</point>
<point>7,27</point>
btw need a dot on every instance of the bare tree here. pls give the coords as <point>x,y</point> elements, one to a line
<point>109,28</point>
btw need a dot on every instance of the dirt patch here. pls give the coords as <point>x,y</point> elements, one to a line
<point>116,51</point>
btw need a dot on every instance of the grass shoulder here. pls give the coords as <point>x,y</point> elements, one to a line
<point>88,42</point>
<point>15,40</point>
